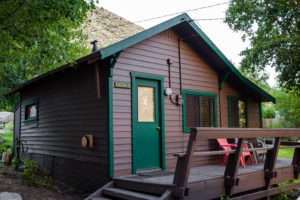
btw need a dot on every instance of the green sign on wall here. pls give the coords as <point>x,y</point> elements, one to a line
<point>122,85</point>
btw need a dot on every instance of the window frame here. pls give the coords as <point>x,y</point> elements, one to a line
<point>184,93</point>
<point>31,119</point>
<point>229,98</point>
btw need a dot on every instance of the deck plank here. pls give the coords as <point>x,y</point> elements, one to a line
<point>208,172</point>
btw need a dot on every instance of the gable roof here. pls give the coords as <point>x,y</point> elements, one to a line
<point>186,28</point>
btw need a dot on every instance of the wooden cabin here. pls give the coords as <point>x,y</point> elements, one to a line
<point>129,107</point>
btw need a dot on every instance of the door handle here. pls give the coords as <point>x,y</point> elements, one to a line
<point>158,128</point>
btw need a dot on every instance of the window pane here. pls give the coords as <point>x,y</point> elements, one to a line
<point>146,112</point>
<point>199,111</point>
<point>31,111</point>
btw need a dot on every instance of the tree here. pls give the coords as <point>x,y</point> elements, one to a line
<point>38,36</point>
<point>288,106</point>
<point>273,29</point>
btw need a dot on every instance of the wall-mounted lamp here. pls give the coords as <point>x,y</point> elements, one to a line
<point>168,91</point>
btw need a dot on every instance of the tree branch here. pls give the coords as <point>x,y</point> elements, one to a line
<point>280,24</point>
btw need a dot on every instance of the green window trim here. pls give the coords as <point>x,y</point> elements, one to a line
<point>184,93</point>
<point>160,79</point>
<point>229,108</point>
<point>31,120</point>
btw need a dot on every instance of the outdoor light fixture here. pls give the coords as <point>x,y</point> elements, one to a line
<point>168,91</point>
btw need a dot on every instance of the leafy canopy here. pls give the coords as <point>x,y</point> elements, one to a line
<point>287,105</point>
<point>273,29</point>
<point>38,36</point>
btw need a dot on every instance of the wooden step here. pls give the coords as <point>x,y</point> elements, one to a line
<point>127,195</point>
<point>99,198</point>
<point>141,186</point>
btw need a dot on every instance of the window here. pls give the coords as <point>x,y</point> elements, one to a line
<point>237,112</point>
<point>146,112</point>
<point>31,111</point>
<point>199,110</point>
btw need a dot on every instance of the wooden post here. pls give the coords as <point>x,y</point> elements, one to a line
<point>296,163</point>
<point>183,165</point>
<point>232,166</point>
<point>270,163</point>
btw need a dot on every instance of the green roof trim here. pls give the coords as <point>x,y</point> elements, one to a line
<point>122,45</point>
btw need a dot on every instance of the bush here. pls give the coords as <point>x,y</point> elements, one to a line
<point>30,171</point>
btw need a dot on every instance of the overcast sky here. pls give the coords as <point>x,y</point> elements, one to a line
<point>229,42</point>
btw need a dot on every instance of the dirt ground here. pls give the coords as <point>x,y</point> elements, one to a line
<point>11,182</point>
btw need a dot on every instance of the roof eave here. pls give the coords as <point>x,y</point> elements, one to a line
<point>93,56</point>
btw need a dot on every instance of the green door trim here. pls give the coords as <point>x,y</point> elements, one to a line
<point>110,151</point>
<point>229,108</point>
<point>160,80</point>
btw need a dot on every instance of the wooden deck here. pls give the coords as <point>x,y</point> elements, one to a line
<point>206,182</point>
<point>214,181</point>
<point>204,173</point>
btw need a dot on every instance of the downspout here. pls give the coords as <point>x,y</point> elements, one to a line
<point>179,63</point>
<point>112,63</point>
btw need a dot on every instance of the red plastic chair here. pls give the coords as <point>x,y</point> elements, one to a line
<point>226,146</point>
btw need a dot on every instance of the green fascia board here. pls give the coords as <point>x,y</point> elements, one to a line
<point>122,45</point>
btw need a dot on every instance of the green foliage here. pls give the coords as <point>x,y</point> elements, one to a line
<point>288,106</point>
<point>273,30</point>
<point>2,150</point>
<point>38,36</point>
<point>3,170</point>
<point>15,163</point>
<point>46,181</point>
<point>268,111</point>
<point>29,176</point>
<point>8,140</point>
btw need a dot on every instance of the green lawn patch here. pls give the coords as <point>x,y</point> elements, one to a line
<point>8,139</point>
<point>286,153</point>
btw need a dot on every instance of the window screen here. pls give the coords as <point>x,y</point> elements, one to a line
<point>199,111</point>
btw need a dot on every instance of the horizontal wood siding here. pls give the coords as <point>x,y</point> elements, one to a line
<point>253,106</point>
<point>68,109</point>
<point>149,57</point>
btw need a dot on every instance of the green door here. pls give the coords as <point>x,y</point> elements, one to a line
<point>146,125</point>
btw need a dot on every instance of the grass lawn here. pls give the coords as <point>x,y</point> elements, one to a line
<point>286,153</point>
<point>7,136</point>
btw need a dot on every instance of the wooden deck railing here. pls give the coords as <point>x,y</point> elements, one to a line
<point>184,160</point>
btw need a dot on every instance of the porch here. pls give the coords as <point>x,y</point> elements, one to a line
<point>215,181</point>
<point>207,182</point>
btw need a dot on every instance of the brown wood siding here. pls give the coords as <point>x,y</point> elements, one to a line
<point>149,57</point>
<point>253,106</point>
<point>68,109</point>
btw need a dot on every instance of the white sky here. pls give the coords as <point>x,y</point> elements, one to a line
<point>229,42</point>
